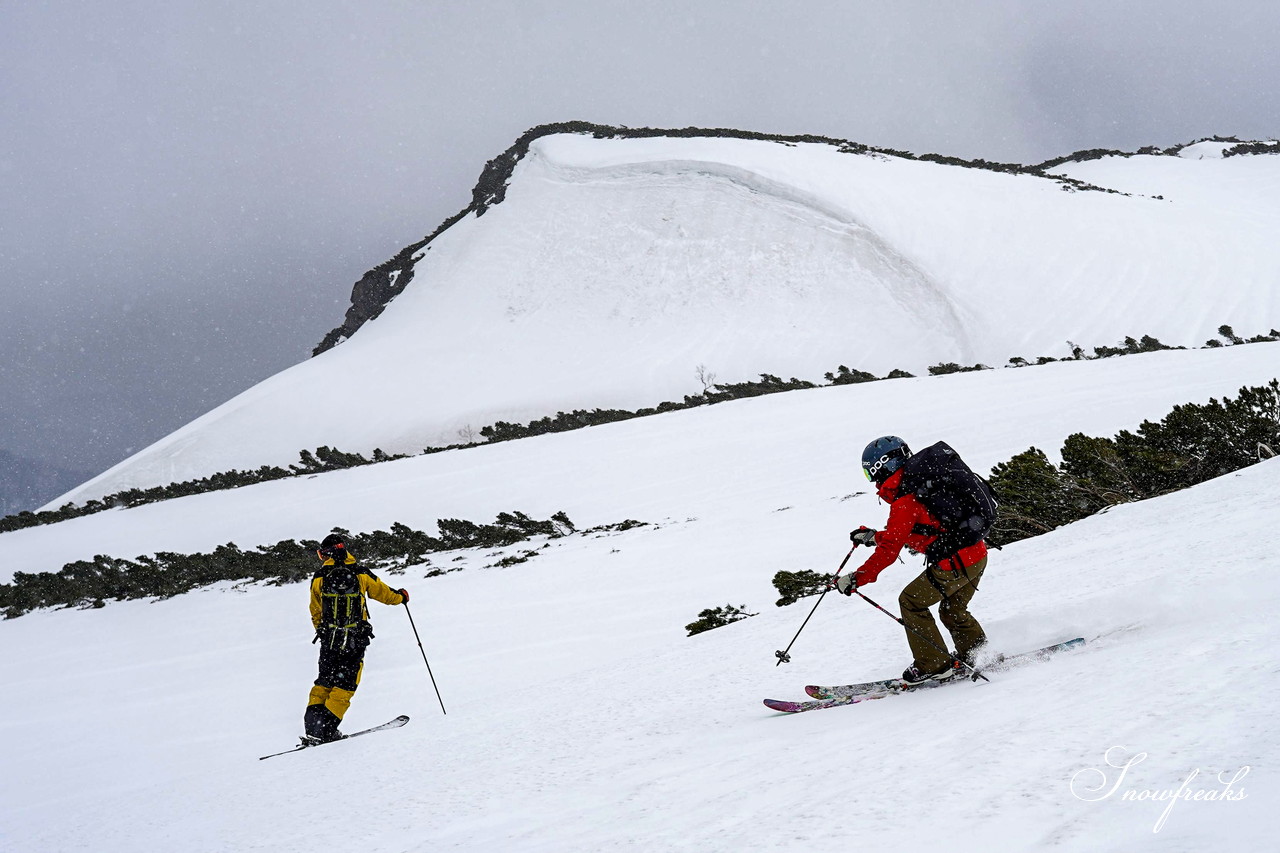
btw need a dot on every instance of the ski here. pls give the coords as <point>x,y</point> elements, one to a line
<point>390,724</point>
<point>847,690</point>
<point>892,685</point>
<point>850,694</point>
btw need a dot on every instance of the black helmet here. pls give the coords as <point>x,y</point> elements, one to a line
<point>334,547</point>
<point>884,456</point>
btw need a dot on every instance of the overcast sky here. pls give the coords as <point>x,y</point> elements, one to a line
<point>188,190</point>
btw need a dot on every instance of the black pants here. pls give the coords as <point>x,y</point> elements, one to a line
<point>341,668</point>
<point>330,698</point>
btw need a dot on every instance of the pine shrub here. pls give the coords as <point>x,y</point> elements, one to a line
<point>717,617</point>
<point>1192,444</point>
<point>793,586</point>
<point>166,574</point>
<point>845,376</point>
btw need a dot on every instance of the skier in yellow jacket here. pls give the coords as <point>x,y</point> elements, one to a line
<point>341,620</point>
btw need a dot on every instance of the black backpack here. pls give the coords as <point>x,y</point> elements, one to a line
<point>342,623</point>
<point>961,500</point>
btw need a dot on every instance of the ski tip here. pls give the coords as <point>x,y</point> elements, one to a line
<point>815,691</point>
<point>782,705</point>
<point>1065,646</point>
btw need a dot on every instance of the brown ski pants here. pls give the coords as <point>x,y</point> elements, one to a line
<point>954,589</point>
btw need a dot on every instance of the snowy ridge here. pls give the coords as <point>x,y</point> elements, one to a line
<point>614,267</point>
<point>580,716</point>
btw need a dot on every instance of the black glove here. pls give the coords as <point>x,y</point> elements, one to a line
<point>863,536</point>
<point>846,584</point>
<point>404,593</point>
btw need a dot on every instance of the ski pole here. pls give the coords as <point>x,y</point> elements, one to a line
<point>976,674</point>
<point>783,656</point>
<point>424,657</point>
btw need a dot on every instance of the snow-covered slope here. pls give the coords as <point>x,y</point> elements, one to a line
<point>782,448</point>
<point>581,718</point>
<point>614,268</point>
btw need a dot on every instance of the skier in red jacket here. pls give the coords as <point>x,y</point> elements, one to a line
<point>951,580</point>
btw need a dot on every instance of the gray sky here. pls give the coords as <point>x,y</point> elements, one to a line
<point>188,190</point>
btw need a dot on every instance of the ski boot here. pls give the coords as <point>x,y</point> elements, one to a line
<point>913,676</point>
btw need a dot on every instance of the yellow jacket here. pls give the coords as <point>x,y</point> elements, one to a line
<point>369,585</point>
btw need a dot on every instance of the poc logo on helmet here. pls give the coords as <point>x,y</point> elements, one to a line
<point>876,466</point>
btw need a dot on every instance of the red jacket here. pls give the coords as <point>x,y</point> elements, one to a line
<point>905,512</point>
